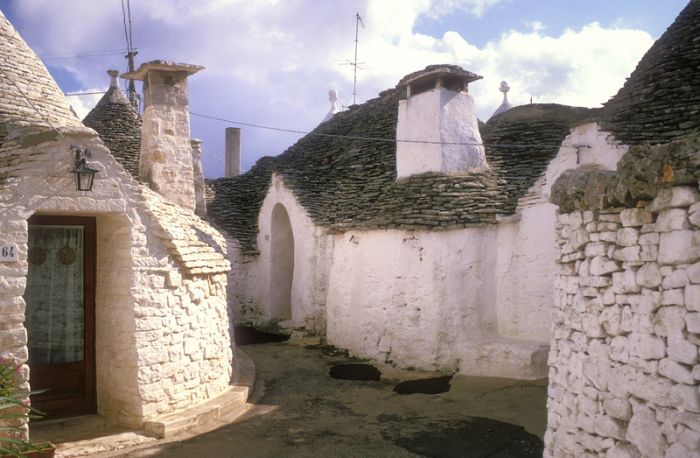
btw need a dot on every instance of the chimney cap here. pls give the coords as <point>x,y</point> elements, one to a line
<point>432,72</point>
<point>163,66</point>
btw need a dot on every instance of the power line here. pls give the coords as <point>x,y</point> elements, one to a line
<point>383,140</point>
<point>71,94</point>
<point>212,155</point>
<point>79,56</point>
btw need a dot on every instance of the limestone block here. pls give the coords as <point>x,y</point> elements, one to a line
<point>650,301</point>
<point>679,450</point>
<point>692,297</point>
<point>670,321</point>
<point>679,247</point>
<point>672,297</point>
<point>672,219</point>
<point>610,320</point>
<point>633,217</point>
<point>676,279</point>
<point>644,432</point>
<point>608,236</point>
<point>619,350</point>
<point>627,254</point>
<point>675,371</point>
<point>677,196</point>
<point>595,282</point>
<point>689,438</point>
<point>625,282</point>
<point>651,238</point>
<point>646,346</point>
<point>579,238</point>
<point>601,265</point>
<point>575,219</point>
<point>679,349</point>
<point>649,276</point>
<point>694,272</point>
<point>605,226</point>
<point>13,338</point>
<point>627,236</point>
<point>694,214</point>
<point>608,427</point>
<point>692,321</point>
<point>618,408</point>
<point>623,450</point>
<point>685,397</point>
<point>628,321</point>
<point>696,372</point>
<point>595,249</point>
<point>613,217</point>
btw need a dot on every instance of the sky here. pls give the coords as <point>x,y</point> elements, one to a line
<point>272,62</point>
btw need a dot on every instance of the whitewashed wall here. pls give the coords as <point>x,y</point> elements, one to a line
<point>527,241</point>
<point>250,280</point>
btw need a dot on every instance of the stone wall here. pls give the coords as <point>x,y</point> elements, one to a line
<point>624,373</point>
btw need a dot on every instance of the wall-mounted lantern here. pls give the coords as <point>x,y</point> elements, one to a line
<point>84,174</point>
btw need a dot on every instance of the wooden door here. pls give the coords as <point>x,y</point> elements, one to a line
<point>60,314</point>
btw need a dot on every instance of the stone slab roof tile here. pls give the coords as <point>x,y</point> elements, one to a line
<point>660,102</point>
<point>350,183</point>
<point>119,127</point>
<point>23,76</point>
<point>198,247</point>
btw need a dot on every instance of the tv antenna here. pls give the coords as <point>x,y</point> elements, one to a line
<point>355,64</point>
<point>131,52</point>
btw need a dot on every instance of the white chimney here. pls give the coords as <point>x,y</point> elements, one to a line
<point>166,151</point>
<point>437,129</point>
<point>199,184</point>
<point>232,163</point>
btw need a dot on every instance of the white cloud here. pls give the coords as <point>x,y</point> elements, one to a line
<point>272,62</point>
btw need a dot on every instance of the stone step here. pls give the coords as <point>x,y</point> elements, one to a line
<point>233,399</point>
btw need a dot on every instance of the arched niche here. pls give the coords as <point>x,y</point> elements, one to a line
<point>281,264</point>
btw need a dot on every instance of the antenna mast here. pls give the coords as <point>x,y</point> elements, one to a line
<point>131,52</point>
<point>358,22</point>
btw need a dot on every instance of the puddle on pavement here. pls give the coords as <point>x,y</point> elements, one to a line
<point>474,437</point>
<point>434,385</point>
<point>244,335</point>
<point>363,372</point>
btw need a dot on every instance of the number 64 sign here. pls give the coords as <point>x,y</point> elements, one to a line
<point>8,252</point>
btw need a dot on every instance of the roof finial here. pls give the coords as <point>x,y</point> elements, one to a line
<point>333,98</point>
<point>114,74</point>
<point>505,105</point>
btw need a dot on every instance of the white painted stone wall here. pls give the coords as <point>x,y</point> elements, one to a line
<point>441,116</point>
<point>250,282</point>
<point>624,377</point>
<point>162,339</point>
<point>527,241</point>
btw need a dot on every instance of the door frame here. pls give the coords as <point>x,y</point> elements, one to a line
<point>88,403</point>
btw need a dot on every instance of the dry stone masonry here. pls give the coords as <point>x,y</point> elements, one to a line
<point>624,361</point>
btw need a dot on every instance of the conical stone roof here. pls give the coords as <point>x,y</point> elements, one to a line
<point>25,81</point>
<point>118,125</point>
<point>660,102</point>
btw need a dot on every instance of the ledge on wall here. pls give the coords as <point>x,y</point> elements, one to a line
<point>209,413</point>
<point>640,174</point>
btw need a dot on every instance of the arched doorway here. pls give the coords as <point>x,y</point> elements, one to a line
<point>281,264</point>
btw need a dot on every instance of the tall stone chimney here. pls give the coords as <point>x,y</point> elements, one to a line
<point>166,152</point>
<point>232,162</point>
<point>199,184</point>
<point>437,128</point>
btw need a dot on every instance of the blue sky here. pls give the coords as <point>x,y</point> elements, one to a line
<point>272,62</point>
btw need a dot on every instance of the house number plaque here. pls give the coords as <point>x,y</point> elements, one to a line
<point>8,252</point>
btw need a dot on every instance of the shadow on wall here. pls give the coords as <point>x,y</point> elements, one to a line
<point>281,264</point>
